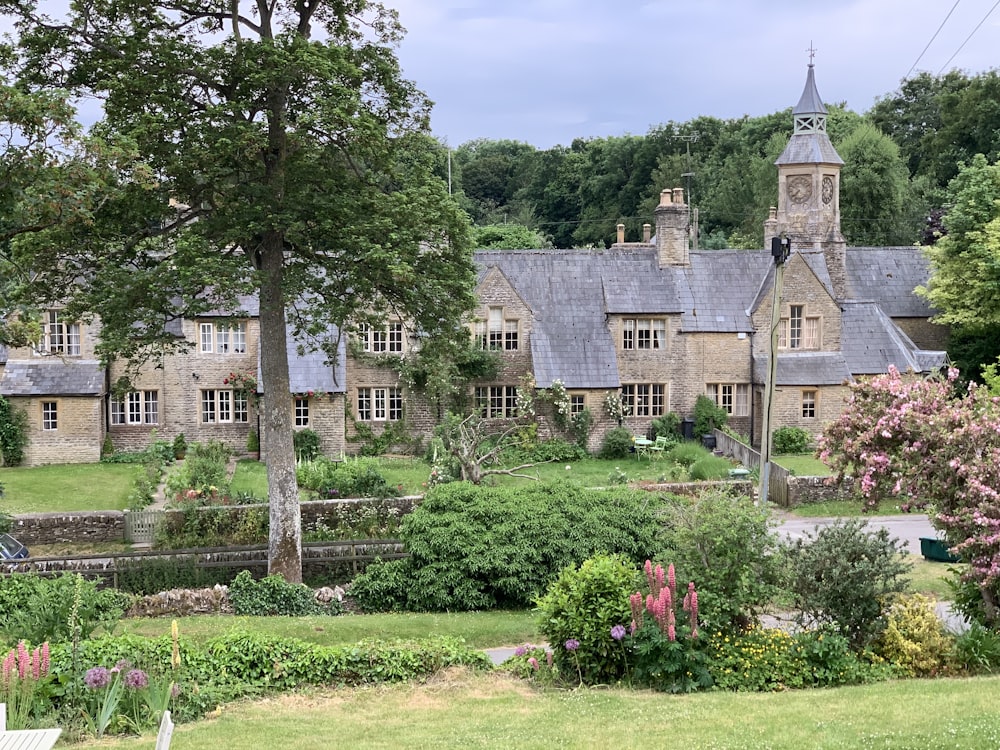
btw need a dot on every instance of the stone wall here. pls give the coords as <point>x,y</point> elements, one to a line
<point>54,528</point>
<point>805,490</point>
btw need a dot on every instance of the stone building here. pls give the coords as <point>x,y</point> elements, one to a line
<point>653,323</point>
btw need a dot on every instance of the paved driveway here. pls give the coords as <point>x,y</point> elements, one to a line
<point>907,528</point>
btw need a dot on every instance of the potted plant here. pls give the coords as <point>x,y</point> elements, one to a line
<point>180,446</point>
<point>253,445</point>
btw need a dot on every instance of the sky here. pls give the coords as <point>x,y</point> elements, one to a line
<point>546,72</point>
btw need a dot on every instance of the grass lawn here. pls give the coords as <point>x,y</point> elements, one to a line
<point>803,465</point>
<point>842,508</point>
<point>478,629</point>
<point>460,709</point>
<point>66,487</point>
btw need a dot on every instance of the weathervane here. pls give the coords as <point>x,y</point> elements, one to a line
<point>812,53</point>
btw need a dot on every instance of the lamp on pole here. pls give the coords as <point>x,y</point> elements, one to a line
<point>780,249</point>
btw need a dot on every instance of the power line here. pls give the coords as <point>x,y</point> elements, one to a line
<point>932,38</point>
<point>988,14</point>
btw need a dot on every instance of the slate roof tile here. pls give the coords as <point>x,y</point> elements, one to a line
<point>52,377</point>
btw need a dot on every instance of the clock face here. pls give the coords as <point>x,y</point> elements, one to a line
<point>827,189</point>
<point>799,188</point>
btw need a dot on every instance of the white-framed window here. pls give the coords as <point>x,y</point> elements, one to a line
<point>221,406</point>
<point>645,399</point>
<point>382,340</point>
<point>799,330</point>
<point>60,336</point>
<point>222,338</point>
<point>497,332</point>
<point>301,412</point>
<point>495,401</point>
<point>809,398</point>
<point>577,403</point>
<point>380,404</point>
<point>136,407</point>
<point>733,397</point>
<point>644,333</point>
<point>50,415</point>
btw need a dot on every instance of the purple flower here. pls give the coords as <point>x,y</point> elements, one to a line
<point>520,651</point>
<point>572,644</point>
<point>97,677</point>
<point>618,632</point>
<point>136,679</point>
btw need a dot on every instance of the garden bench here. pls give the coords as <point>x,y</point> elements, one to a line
<point>25,739</point>
<point>166,730</point>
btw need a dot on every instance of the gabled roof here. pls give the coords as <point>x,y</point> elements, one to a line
<point>52,377</point>
<point>805,368</point>
<point>719,288</point>
<point>888,275</point>
<point>871,342</point>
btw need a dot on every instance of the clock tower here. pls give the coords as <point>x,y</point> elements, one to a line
<point>808,210</point>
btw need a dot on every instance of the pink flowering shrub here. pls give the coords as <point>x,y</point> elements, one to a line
<point>23,675</point>
<point>905,435</point>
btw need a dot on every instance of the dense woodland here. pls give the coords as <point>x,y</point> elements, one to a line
<point>899,158</point>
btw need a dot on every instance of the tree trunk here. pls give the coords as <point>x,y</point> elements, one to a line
<point>285,538</point>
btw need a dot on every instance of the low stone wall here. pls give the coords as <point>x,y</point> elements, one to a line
<point>109,526</point>
<point>739,486</point>
<point>805,490</point>
<point>55,528</point>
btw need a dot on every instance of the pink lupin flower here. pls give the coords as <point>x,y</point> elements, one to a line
<point>22,660</point>
<point>635,604</point>
<point>671,632</point>
<point>36,663</point>
<point>659,579</point>
<point>8,671</point>
<point>45,658</point>
<point>648,568</point>
<point>534,663</point>
<point>672,580</point>
<point>651,605</point>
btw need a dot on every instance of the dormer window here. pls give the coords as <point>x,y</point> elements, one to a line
<point>798,330</point>
<point>498,332</point>
<point>222,338</point>
<point>382,340</point>
<point>644,333</point>
<point>59,336</point>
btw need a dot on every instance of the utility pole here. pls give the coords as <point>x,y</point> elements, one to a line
<point>780,249</point>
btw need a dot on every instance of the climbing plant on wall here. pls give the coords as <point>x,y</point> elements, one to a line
<point>13,434</point>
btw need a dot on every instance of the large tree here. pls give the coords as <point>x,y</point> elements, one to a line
<point>274,150</point>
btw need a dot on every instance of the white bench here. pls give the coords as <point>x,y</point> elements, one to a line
<point>25,739</point>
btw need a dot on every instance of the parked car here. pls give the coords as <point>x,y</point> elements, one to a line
<point>11,549</point>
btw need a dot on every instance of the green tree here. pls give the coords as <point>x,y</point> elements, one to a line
<point>875,193</point>
<point>965,263</point>
<point>508,237</point>
<point>276,150</point>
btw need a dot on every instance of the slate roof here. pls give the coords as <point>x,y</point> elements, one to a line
<point>871,342</point>
<point>308,369</point>
<point>805,368</point>
<point>810,102</point>
<point>809,148</point>
<point>889,275</point>
<point>52,377</point>
<point>719,288</point>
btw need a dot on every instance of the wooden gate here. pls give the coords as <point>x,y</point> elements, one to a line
<point>140,525</point>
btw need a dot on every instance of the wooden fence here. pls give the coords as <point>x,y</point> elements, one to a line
<point>777,489</point>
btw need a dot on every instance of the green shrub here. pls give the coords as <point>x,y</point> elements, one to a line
<point>13,433</point>
<point>306,444</point>
<point>584,604</point>
<point>179,446</point>
<point>579,426</point>
<point>668,426</point>
<point>726,544</point>
<point>273,595</point>
<point>770,659</point>
<point>107,447</point>
<point>146,576</point>
<point>842,576</point>
<point>707,416</point>
<point>383,587</point>
<point>710,468</point>
<point>253,442</point>
<point>914,640</point>
<point>37,609</point>
<point>618,443</point>
<point>790,440</point>
<point>487,547</point>
<point>355,477</point>
<point>687,453</point>
<point>977,650</point>
<point>553,449</point>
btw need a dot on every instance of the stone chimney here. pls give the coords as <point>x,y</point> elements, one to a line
<point>770,227</point>
<point>672,221</point>
<point>647,232</point>
<point>621,234</point>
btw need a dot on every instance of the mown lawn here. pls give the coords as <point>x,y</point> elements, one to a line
<point>461,709</point>
<point>477,629</point>
<point>66,487</point>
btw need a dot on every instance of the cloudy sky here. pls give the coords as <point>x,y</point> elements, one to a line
<point>547,71</point>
